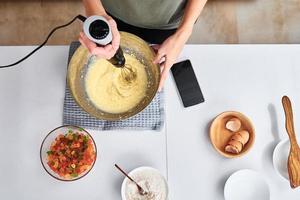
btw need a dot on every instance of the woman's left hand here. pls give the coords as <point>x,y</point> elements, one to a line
<point>168,52</point>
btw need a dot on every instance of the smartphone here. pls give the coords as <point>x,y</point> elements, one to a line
<point>187,84</point>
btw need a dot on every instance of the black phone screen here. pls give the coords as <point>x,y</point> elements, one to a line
<point>187,83</point>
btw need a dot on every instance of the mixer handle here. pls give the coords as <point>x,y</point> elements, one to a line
<point>118,59</point>
<point>97,30</point>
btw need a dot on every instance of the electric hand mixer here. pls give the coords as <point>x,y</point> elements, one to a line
<point>97,30</point>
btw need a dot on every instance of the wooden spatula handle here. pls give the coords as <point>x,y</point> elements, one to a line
<point>289,122</point>
<point>294,156</point>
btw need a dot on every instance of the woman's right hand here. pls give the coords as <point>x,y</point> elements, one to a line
<point>107,51</point>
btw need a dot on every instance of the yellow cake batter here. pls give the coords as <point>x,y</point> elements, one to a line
<point>109,91</point>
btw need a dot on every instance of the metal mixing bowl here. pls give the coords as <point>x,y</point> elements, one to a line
<point>79,64</point>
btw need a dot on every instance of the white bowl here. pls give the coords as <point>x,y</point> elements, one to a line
<point>246,185</point>
<point>139,169</point>
<point>280,158</point>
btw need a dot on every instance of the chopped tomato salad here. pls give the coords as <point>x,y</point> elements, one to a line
<point>71,154</point>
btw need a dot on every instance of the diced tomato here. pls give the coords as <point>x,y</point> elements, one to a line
<point>71,154</point>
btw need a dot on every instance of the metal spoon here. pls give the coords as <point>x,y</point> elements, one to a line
<point>140,189</point>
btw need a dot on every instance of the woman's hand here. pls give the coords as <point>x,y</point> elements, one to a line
<point>107,51</point>
<point>168,52</point>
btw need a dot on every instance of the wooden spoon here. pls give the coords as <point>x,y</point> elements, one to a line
<point>294,156</point>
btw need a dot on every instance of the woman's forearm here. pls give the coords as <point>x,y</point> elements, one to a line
<point>191,14</point>
<point>93,7</point>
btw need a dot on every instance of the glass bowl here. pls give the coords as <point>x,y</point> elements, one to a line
<point>50,138</point>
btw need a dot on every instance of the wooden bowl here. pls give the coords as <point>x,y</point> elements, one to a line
<point>220,136</point>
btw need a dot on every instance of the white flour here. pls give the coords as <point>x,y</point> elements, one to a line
<point>151,181</point>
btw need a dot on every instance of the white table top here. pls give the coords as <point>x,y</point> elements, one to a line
<point>247,78</point>
<point>31,105</point>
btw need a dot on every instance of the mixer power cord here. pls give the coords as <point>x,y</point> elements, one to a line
<point>80,17</point>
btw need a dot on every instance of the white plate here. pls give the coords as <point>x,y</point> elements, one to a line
<point>246,185</point>
<point>280,158</point>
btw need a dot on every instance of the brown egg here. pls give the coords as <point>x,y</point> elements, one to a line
<point>231,149</point>
<point>236,144</point>
<point>237,137</point>
<point>234,124</point>
<point>245,135</point>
